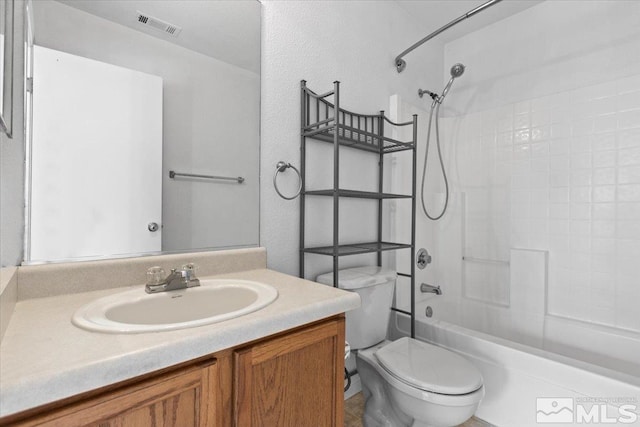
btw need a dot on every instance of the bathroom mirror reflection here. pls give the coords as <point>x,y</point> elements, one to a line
<point>124,93</point>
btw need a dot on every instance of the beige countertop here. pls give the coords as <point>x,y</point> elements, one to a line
<point>44,358</point>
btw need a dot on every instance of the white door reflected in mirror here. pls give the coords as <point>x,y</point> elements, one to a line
<point>94,188</point>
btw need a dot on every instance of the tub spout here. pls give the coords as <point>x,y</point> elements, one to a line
<point>426,288</point>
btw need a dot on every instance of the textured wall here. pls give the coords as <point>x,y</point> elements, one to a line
<point>12,156</point>
<point>354,42</point>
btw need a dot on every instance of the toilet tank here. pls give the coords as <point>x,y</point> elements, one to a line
<point>367,325</point>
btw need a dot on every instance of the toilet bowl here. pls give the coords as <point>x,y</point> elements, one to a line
<point>405,382</point>
<point>411,383</point>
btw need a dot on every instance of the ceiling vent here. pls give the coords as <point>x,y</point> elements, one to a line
<point>158,24</point>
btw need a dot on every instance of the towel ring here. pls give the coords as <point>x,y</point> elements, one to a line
<point>281,167</point>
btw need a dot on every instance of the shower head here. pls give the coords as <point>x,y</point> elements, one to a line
<point>457,70</point>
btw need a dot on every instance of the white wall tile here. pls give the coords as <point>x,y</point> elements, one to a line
<point>573,176</point>
<point>629,84</point>
<point>558,211</point>
<point>604,211</point>
<point>605,123</point>
<point>582,126</point>
<point>629,175</point>
<point>628,210</point>
<point>604,176</point>
<point>628,101</point>
<point>580,160</point>
<point>628,229</point>
<point>603,228</point>
<point>607,105</point>
<point>560,129</point>
<point>604,193</point>
<point>627,313</point>
<point>580,227</point>
<point>629,138</point>
<point>580,195</point>
<point>603,141</point>
<point>629,156</point>
<point>629,193</point>
<point>580,177</point>
<point>568,146</point>
<point>581,211</point>
<point>629,119</point>
<point>604,158</point>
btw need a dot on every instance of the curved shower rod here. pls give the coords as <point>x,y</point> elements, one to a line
<point>401,64</point>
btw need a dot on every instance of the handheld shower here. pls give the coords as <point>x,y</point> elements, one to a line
<point>456,71</point>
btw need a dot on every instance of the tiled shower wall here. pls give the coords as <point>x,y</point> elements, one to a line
<point>558,173</point>
<point>542,143</point>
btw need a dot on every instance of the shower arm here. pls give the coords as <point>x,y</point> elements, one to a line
<point>401,64</point>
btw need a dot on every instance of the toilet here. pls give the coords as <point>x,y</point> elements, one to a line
<point>405,382</point>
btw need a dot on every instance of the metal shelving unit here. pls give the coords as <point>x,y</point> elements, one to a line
<point>325,121</point>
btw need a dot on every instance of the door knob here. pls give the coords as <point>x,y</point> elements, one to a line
<point>153,226</point>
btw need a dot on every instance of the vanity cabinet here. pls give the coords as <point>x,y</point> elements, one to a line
<point>290,379</point>
<point>293,380</point>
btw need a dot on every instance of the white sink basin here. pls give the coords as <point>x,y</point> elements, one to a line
<point>136,311</point>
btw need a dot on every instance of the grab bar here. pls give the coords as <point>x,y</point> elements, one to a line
<point>484,260</point>
<point>239,179</point>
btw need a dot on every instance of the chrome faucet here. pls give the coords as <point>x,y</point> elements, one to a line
<point>177,279</point>
<point>426,288</point>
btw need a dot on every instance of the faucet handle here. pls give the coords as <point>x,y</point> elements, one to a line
<point>155,275</point>
<point>190,270</point>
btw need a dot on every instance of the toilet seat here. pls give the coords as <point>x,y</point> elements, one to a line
<point>428,367</point>
<point>368,356</point>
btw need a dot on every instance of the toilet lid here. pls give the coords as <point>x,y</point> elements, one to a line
<point>428,367</point>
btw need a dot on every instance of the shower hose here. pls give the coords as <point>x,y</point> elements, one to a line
<point>435,108</point>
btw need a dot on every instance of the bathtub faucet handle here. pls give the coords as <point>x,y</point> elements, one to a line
<point>423,258</point>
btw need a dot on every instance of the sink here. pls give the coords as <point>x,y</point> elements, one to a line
<point>135,311</point>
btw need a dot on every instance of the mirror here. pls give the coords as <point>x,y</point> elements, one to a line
<point>145,128</point>
<point>6,65</point>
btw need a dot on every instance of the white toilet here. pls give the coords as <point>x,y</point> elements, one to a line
<point>405,382</point>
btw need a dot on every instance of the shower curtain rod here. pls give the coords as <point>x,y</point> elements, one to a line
<point>401,64</point>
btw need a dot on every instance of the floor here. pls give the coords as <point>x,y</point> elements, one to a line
<point>354,407</point>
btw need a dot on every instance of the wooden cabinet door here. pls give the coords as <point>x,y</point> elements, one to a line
<point>182,398</point>
<point>294,380</point>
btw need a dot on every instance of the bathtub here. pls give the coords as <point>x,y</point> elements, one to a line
<point>522,380</point>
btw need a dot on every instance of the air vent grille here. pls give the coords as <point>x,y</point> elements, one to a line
<point>158,24</point>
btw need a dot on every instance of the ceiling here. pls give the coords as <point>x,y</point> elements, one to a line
<point>433,14</point>
<point>228,30</point>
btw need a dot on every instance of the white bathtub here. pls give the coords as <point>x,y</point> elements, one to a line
<point>517,375</point>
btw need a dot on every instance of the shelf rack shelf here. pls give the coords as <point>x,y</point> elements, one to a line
<point>324,121</point>
<point>356,248</point>
<point>358,194</point>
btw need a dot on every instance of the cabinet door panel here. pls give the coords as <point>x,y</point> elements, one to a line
<point>177,410</point>
<point>294,380</point>
<point>176,399</point>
